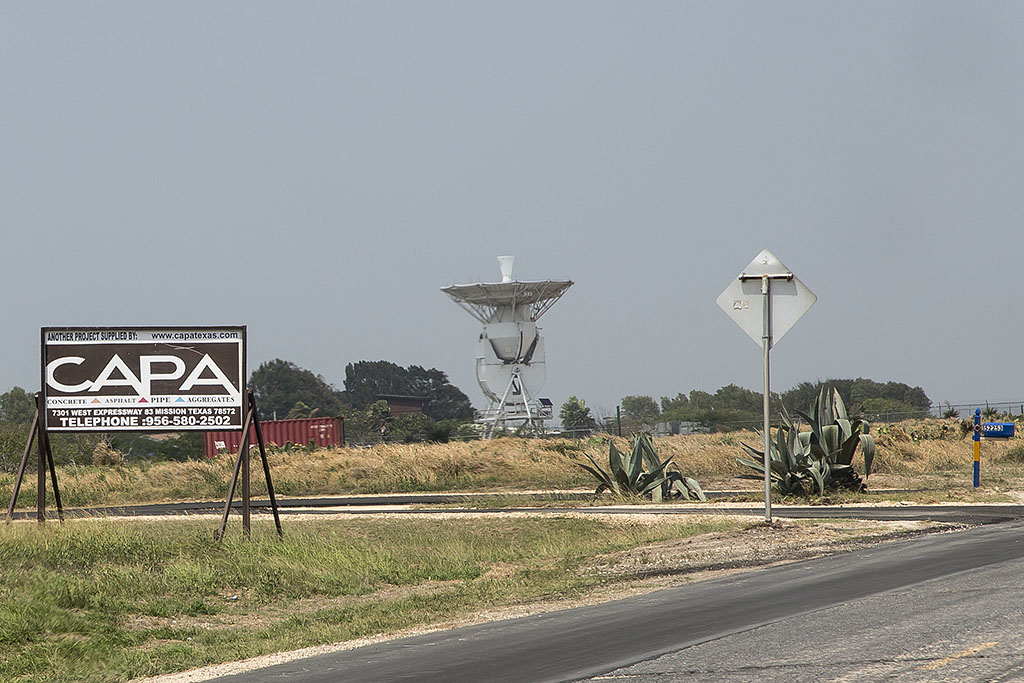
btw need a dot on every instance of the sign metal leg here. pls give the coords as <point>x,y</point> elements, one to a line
<point>21,468</point>
<point>242,448</point>
<point>44,435</point>
<point>266,464</point>
<point>242,467</point>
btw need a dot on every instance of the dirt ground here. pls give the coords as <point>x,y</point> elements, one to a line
<point>645,569</point>
<point>758,545</point>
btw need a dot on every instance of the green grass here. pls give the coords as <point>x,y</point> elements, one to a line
<point>104,600</point>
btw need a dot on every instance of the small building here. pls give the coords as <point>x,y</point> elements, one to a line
<point>678,427</point>
<point>403,405</point>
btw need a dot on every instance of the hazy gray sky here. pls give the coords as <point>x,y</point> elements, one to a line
<point>317,171</point>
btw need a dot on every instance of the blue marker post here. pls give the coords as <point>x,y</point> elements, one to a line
<point>977,447</point>
<point>989,430</point>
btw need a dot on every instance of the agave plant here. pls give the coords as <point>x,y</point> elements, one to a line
<point>823,456</point>
<point>640,472</point>
<point>675,484</point>
<point>834,439</point>
<point>793,469</point>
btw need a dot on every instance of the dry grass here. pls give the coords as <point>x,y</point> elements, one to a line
<point>914,454</point>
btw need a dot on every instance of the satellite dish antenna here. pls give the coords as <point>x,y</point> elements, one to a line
<point>510,366</point>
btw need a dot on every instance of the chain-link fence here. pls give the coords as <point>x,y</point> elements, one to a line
<point>990,410</point>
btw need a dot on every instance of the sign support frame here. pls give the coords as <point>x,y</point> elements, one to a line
<point>976,437</point>
<point>766,343</point>
<point>242,467</point>
<point>739,301</point>
<point>39,435</point>
<point>246,405</point>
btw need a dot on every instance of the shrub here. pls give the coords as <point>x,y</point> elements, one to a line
<point>640,472</point>
<point>1015,453</point>
<point>103,454</point>
<point>824,455</point>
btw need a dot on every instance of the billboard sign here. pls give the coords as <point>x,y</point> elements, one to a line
<point>151,379</point>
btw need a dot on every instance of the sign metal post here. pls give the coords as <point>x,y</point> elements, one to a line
<point>977,447</point>
<point>780,307</point>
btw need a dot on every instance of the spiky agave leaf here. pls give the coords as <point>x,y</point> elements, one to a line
<point>787,470</point>
<point>687,486</point>
<point>604,481</point>
<point>823,409</point>
<point>658,474</point>
<point>644,486</point>
<point>830,440</point>
<point>867,447</point>
<point>617,470</point>
<point>643,445</point>
<point>849,447</point>
<point>838,406</point>
<point>752,464</point>
<point>755,453</point>
<point>756,465</point>
<point>781,448</point>
<point>634,464</point>
<point>819,471</point>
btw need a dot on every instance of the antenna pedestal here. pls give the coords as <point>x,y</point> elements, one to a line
<point>510,365</point>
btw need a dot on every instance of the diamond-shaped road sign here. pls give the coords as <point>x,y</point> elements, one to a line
<point>743,300</point>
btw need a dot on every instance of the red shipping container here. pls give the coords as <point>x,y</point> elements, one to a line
<point>323,432</point>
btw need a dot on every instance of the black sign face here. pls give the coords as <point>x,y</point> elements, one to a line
<point>143,379</point>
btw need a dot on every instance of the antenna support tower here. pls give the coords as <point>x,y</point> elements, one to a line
<point>510,365</point>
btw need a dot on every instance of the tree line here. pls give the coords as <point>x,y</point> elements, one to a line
<point>286,391</point>
<point>733,407</point>
<point>283,390</point>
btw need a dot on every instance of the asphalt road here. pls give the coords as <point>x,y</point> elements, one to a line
<point>672,634</point>
<point>967,626</point>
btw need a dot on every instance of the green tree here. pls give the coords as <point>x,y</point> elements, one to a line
<point>640,409</point>
<point>281,385</point>
<point>445,400</point>
<point>135,445</point>
<point>17,406</point>
<point>674,405</point>
<point>887,407</point>
<point>365,381</point>
<point>857,392</point>
<point>731,407</point>
<point>575,415</point>
<point>410,428</point>
<point>371,424</point>
<point>735,398</point>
